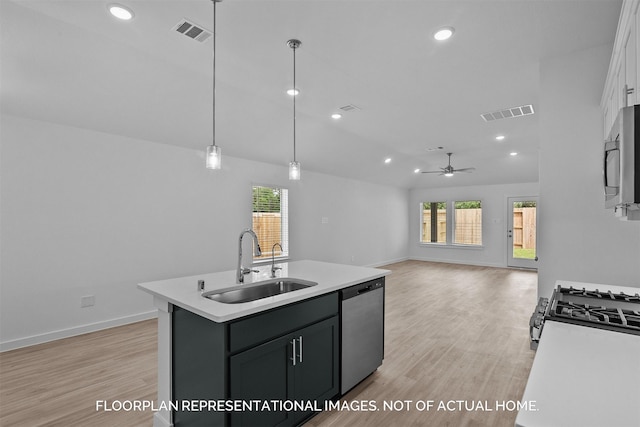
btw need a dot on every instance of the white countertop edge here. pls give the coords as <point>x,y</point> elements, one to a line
<point>183,292</point>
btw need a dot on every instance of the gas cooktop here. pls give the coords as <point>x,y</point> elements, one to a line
<point>594,308</point>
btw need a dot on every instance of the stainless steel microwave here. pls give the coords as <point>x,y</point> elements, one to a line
<point>621,170</point>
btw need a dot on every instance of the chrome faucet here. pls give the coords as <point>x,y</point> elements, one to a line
<point>273,259</point>
<point>257,252</point>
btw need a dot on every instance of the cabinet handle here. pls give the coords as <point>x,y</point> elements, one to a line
<point>300,349</point>
<point>293,359</point>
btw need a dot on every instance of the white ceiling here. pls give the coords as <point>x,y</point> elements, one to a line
<point>70,62</point>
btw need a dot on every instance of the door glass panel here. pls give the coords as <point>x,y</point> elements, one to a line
<point>524,230</point>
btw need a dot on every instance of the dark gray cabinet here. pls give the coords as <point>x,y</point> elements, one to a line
<point>252,359</point>
<point>296,370</point>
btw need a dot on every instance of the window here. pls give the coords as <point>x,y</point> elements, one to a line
<point>271,220</point>
<point>467,222</point>
<point>434,222</point>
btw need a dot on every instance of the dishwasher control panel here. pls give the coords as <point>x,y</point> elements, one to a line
<point>362,288</point>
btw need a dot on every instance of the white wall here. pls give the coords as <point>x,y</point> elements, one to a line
<point>87,213</point>
<point>579,239</point>
<point>494,223</point>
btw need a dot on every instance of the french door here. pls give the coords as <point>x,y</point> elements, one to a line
<point>521,232</point>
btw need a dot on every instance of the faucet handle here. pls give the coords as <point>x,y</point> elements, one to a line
<point>273,271</point>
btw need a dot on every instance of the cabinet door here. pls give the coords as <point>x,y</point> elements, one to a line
<point>316,371</point>
<point>262,373</point>
<point>268,373</point>
<point>629,91</point>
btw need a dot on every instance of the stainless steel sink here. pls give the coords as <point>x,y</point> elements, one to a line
<point>256,291</point>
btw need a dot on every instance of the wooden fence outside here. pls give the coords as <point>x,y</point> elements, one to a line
<point>267,226</point>
<point>524,228</point>
<point>468,228</point>
<point>441,226</point>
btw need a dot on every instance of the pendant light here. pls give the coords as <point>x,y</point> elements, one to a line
<point>214,152</point>
<point>294,166</point>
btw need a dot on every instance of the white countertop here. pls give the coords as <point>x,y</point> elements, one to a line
<point>583,376</point>
<point>183,291</point>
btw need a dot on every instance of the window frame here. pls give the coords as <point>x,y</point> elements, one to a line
<point>436,243</point>
<point>454,224</point>
<point>284,226</point>
<point>450,227</point>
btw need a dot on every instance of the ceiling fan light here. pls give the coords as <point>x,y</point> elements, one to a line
<point>448,174</point>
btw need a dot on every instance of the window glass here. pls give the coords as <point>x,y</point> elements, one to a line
<point>467,222</point>
<point>271,220</point>
<point>434,222</point>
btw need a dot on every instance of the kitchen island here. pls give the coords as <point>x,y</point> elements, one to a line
<point>224,354</point>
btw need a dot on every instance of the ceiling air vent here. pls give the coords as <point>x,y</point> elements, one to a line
<point>193,31</point>
<point>508,113</point>
<point>349,107</point>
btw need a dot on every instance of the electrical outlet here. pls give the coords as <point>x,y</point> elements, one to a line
<point>87,301</point>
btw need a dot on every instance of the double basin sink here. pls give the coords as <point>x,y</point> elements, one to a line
<point>255,291</point>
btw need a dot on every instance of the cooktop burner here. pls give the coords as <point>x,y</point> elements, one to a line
<point>606,310</point>
<point>597,294</point>
<point>616,316</point>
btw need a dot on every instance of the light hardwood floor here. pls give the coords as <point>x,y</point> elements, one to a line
<point>453,333</point>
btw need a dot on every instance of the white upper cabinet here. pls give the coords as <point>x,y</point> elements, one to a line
<point>623,80</point>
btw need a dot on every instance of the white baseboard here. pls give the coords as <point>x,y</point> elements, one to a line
<point>78,330</point>
<point>391,261</point>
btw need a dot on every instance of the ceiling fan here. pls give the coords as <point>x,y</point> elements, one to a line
<point>449,170</point>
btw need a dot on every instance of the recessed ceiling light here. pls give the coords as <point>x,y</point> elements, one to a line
<point>120,12</point>
<point>443,33</point>
<point>336,116</point>
<point>513,153</point>
<point>293,92</point>
<point>499,137</point>
<point>416,170</point>
<point>387,160</point>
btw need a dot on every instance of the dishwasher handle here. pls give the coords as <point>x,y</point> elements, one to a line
<point>365,289</point>
<point>361,288</point>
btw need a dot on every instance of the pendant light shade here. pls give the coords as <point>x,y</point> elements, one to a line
<point>214,152</point>
<point>214,157</point>
<point>294,166</point>
<point>294,171</point>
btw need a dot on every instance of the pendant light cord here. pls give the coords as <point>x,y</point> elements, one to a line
<point>295,93</point>
<point>214,72</point>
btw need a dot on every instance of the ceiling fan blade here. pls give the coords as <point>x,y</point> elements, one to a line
<point>431,172</point>
<point>464,170</point>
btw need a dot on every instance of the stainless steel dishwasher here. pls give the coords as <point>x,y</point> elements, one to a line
<point>362,331</point>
